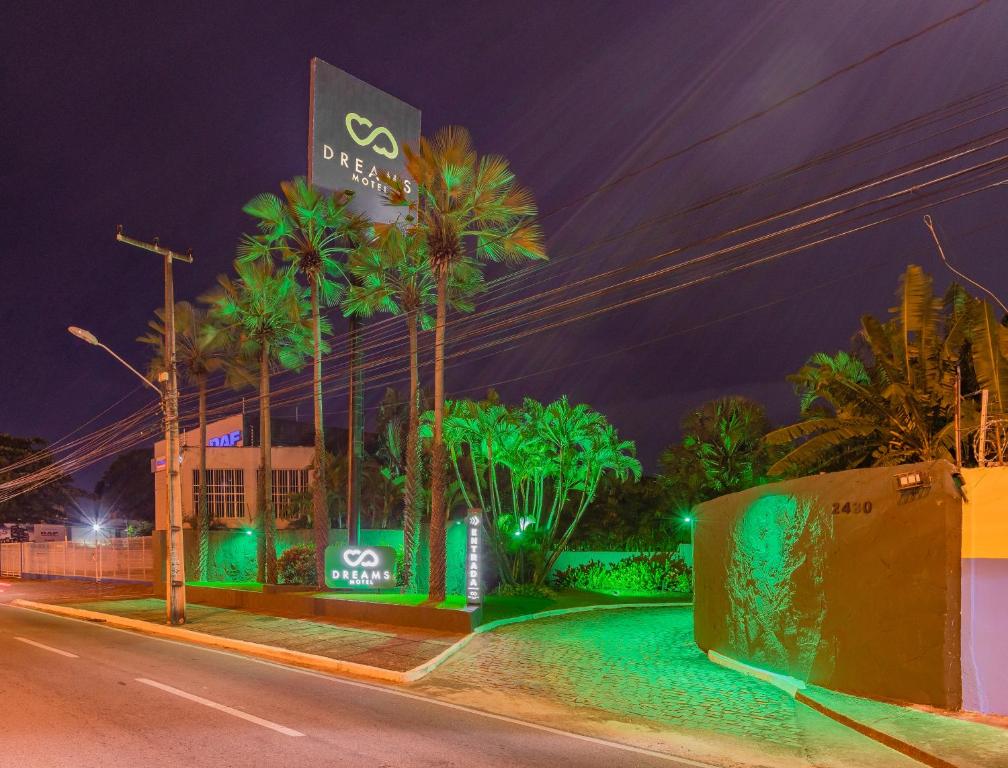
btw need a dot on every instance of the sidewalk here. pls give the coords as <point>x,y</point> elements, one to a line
<point>393,648</point>
<point>636,676</point>
<point>931,738</point>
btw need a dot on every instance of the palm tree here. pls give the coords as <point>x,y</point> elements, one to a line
<point>269,315</point>
<point>534,470</point>
<point>891,403</point>
<point>462,199</point>
<point>201,349</point>
<point>312,231</point>
<point>393,275</point>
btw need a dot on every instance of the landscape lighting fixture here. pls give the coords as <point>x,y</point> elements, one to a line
<point>910,481</point>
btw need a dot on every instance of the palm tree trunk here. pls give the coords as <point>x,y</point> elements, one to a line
<point>355,429</point>
<point>409,487</point>
<point>439,512</point>
<point>203,514</point>
<point>320,512</point>
<point>267,538</point>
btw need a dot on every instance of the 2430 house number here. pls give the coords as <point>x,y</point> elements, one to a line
<point>852,507</point>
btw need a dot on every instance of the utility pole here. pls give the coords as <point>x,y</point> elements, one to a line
<point>982,437</point>
<point>175,600</point>
<point>958,418</point>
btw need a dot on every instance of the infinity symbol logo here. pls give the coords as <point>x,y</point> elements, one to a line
<point>390,152</point>
<point>364,558</point>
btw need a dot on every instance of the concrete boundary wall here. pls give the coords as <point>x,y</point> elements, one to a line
<point>839,580</point>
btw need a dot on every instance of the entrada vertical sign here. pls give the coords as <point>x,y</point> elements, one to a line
<point>474,555</point>
<point>355,132</point>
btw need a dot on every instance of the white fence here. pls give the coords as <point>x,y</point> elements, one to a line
<point>128,559</point>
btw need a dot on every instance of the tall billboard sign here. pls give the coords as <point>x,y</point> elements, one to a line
<point>355,132</point>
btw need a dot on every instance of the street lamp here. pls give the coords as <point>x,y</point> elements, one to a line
<point>96,527</point>
<point>90,338</point>
<point>690,521</point>
<point>175,583</point>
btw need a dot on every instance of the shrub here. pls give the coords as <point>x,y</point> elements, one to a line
<point>297,565</point>
<point>524,590</point>
<point>660,572</point>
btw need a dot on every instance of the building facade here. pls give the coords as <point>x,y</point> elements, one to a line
<point>233,471</point>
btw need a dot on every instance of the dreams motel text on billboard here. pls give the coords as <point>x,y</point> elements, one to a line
<point>356,131</point>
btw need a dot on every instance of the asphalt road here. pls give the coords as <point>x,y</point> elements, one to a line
<point>79,694</point>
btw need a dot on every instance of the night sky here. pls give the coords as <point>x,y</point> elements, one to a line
<point>167,119</point>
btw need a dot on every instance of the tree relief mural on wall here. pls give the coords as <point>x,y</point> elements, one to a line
<point>777,602</point>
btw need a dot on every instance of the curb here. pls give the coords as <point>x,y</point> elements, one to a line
<point>492,625</point>
<point>790,685</point>
<point>887,739</point>
<point>258,650</point>
<point>796,689</point>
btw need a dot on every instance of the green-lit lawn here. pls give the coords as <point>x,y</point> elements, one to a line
<point>453,602</point>
<point>247,586</point>
<point>495,607</point>
<point>499,607</point>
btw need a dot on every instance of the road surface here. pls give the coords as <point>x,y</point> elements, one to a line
<point>78,694</point>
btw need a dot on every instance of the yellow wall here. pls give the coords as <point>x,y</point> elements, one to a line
<point>985,514</point>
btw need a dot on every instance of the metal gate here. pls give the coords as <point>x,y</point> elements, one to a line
<point>128,559</point>
<point>10,559</point>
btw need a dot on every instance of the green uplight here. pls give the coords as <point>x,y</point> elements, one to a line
<point>687,519</point>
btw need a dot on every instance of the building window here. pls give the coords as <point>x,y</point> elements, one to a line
<point>288,483</point>
<point>225,492</point>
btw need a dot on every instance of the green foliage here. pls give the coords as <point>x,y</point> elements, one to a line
<point>463,201</point>
<point>659,572</point>
<point>534,470</point>
<point>139,528</point>
<point>631,516</point>
<point>722,451</point>
<point>202,345</point>
<point>308,229</point>
<point>125,489</point>
<point>297,565</point>
<point>891,400</point>
<point>24,457</point>
<point>465,197</point>
<point>525,590</point>
<point>265,308</point>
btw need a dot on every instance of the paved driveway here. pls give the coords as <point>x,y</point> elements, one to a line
<point>635,675</point>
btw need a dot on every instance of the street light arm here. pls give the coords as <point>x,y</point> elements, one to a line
<point>138,374</point>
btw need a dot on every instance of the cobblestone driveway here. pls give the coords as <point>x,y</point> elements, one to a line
<point>637,676</point>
